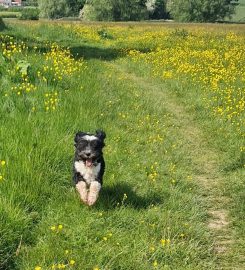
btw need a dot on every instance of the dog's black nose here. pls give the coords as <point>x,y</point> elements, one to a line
<point>88,154</point>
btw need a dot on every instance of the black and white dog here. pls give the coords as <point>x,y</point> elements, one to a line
<point>89,165</point>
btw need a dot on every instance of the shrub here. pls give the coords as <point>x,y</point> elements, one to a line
<point>29,14</point>
<point>15,9</point>
<point>104,34</point>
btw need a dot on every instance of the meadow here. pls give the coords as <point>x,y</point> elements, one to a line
<point>170,98</point>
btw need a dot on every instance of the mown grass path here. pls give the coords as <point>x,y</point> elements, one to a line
<point>205,163</point>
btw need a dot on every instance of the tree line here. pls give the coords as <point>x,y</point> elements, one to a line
<point>135,10</point>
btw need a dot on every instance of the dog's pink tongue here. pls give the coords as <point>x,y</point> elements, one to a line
<point>89,163</point>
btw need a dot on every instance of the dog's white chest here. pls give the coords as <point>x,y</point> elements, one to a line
<point>88,173</point>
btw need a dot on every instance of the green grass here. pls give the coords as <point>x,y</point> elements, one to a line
<point>151,190</point>
<point>9,14</point>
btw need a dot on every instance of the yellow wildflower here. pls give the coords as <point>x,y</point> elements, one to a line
<point>3,162</point>
<point>155,263</point>
<point>163,242</point>
<point>53,228</point>
<point>152,249</point>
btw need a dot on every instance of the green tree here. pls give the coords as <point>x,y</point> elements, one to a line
<point>53,9</point>
<point>201,10</point>
<point>29,14</point>
<point>116,10</point>
<point>159,10</point>
<point>75,6</point>
<point>97,10</point>
<point>59,8</point>
<point>129,10</point>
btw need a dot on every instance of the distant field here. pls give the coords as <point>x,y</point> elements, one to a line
<point>170,98</point>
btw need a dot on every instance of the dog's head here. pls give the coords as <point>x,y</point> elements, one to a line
<point>89,146</point>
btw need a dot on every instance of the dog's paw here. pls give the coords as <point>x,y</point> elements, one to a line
<point>93,192</point>
<point>84,199</point>
<point>92,198</point>
<point>82,189</point>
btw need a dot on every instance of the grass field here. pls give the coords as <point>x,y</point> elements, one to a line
<point>171,100</point>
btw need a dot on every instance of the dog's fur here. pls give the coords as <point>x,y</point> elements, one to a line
<point>89,165</point>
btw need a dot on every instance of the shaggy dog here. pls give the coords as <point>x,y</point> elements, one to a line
<point>89,165</point>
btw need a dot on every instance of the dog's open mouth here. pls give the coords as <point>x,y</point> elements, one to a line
<point>89,162</point>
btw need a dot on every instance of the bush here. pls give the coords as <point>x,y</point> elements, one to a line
<point>29,14</point>
<point>2,24</point>
<point>15,9</point>
<point>33,3</point>
<point>103,33</point>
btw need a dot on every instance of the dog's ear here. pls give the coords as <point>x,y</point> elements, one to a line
<point>78,136</point>
<point>101,134</point>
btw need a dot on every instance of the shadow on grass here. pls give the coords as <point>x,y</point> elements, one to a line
<point>112,197</point>
<point>93,52</point>
<point>78,49</point>
<point>86,51</point>
<point>236,164</point>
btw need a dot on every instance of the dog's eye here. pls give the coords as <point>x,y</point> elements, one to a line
<point>94,143</point>
<point>83,143</point>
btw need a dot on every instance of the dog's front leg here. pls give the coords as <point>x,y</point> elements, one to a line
<point>94,190</point>
<point>81,187</point>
